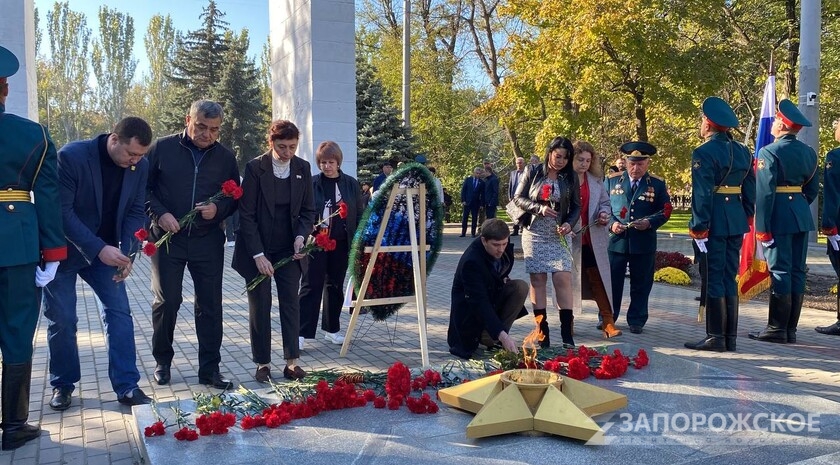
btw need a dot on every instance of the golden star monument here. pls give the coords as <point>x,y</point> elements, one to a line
<point>533,400</point>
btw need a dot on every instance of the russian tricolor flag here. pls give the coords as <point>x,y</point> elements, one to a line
<point>753,275</point>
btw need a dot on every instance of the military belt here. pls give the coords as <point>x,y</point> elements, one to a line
<point>788,189</point>
<point>728,190</point>
<point>12,195</point>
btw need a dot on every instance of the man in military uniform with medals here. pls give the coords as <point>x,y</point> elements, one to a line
<point>722,208</point>
<point>786,183</point>
<point>831,219</point>
<point>32,232</point>
<point>640,205</point>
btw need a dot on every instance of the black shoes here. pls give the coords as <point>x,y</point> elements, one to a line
<point>263,374</point>
<point>833,330</point>
<point>135,397</point>
<point>60,400</point>
<point>162,374</point>
<point>636,329</point>
<point>463,235</point>
<point>217,381</point>
<point>296,373</point>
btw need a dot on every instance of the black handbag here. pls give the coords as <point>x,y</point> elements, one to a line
<point>517,214</point>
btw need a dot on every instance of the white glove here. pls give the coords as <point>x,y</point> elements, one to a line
<point>835,241</point>
<point>43,277</point>
<point>701,244</point>
<point>769,243</point>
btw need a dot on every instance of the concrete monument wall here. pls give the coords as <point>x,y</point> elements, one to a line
<point>17,33</point>
<point>314,73</point>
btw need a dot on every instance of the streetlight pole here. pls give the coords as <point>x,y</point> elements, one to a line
<point>406,68</point>
<point>809,81</point>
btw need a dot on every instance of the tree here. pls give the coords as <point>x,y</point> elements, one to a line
<point>160,40</point>
<point>246,117</point>
<point>381,136</point>
<point>68,89</point>
<point>113,63</point>
<point>197,67</point>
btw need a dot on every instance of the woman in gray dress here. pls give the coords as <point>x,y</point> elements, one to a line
<point>550,192</point>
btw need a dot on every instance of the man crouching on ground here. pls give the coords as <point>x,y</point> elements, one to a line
<point>485,302</point>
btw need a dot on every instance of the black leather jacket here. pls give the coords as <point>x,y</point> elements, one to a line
<point>528,195</point>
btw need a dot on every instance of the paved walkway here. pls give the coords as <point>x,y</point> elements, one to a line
<point>98,430</point>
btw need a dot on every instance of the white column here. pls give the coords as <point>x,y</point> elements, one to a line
<point>17,33</point>
<point>313,72</point>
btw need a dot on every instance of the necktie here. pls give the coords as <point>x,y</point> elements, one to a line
<point>633,185</point>
<point>475,183</point>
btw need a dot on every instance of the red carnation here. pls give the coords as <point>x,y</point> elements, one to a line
<point>229,188</point>
<point>331,245</point>
<point>342,210</point>
<point>322,239</point>
<point>149,249</point>
<point>623,212</point>
<point>667,210</point>
<point>546,192</point>
<point>141,234</point>
<point>379,402</point>
<point>157,429</point>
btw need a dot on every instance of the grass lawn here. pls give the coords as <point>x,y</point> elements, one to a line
<point>678,222</point>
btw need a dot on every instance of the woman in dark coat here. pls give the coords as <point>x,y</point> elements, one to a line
<point>276,214</point>
<point>328,268</point>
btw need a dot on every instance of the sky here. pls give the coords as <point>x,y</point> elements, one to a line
<point>240,14</point>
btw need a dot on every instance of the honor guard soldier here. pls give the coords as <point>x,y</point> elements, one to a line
<point>722,208</point>
<point>640,205</point>
<point>786,183</point>
<point>30,224</point>
<point>831,218</point>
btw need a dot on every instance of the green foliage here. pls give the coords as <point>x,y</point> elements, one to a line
<point>381,136</point>
<point>160,42</point>
<point>113,64</point>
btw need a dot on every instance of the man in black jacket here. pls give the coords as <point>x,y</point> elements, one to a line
<point>485,302</point>
<point>186,169</point>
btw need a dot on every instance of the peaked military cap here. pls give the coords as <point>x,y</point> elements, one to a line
<point>8,63</point>
<point>420,159</point>
<point>719,112</point>
<point>791,115</point>
<point>636,150</point>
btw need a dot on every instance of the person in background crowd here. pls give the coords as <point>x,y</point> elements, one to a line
<point>831,218</point>
<point>185,169</point>
<point>534,162</point>
<point>32,231</point>
<point>447,205</point>
<point>591,265</point>
<point>327,269</point>
<point>491,190</point>
<point>438,184</point>
<point>619,165</point>
<point>786,183</point>
<point>378,180</point>
<point>640,205</point>
<point>103,192</point>
<point>485,301</point>
<point>365,194</point>
<point>551,194</point>
<point>723,205</point>
<point>513,182</point>
<point>276,214</point>
<point>472,196</point>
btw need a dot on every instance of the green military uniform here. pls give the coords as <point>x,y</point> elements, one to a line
<point>634,247</point>
<point>30,231</point>
<point>830,222</point>
<point>786,183</point>
<point>722,206</point>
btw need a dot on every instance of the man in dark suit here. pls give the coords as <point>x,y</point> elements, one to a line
<point>472,197</point>
<point>640,205</point>
<point>491,190</point>
<point>32,232</point>
<point>103,191</point>
<point>185,169</point>
<point>485,302</point>
<point>277,214</point>
<point>722,207</point>
<point>378,180</point>
<point>786,183</point>
<point>513,183</point>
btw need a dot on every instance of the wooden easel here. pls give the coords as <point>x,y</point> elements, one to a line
<point>418,261</point>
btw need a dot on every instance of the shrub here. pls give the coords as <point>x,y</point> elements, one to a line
<point>672,275</point>
<point>673,260</point>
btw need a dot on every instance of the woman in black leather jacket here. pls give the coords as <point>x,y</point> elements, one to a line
<point>550,193</point>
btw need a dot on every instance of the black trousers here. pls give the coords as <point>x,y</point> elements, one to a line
<point>204,257</point>
<point>469,211</point>
<point>287,279</point>
<point>325,277</point>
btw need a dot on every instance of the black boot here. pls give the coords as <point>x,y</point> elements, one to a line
<point>567,319</point>
<point>715,323</point>
<point>777,321</point>
<point>833,330</point>
<point>795,311</point>
<point>15,404</point>
<point>730,331</point>
<point>539,313</point>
